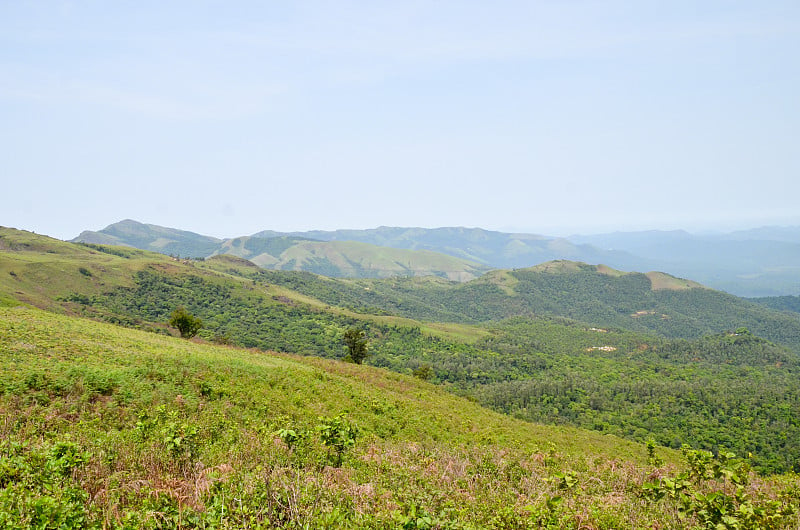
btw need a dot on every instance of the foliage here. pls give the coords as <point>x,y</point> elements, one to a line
<point>714,492</point>
<point>578,292</point>
<point>356,341</point>
<point>106,405</point>
<point>185,322</point>
<point>728,389</point>
<point>424,372</point>
<point>780,303</point>
<point>338,434</point>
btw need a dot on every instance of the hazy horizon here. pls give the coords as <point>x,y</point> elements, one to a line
<point>541,117</point>
<point>552,232</point>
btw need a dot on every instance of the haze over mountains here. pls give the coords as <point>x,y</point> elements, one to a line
<point>758,262</point>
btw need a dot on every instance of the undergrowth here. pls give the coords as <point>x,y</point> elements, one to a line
<point>105,427</point>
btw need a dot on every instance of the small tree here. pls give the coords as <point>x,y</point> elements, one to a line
<point>338,434</point>
<point>356,342</point>
<point>185,322</point>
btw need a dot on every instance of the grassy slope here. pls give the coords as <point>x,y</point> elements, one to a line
<point>39,270</point>
<point>513,366</point>
<point>71,380</point>
<point>419,449</point>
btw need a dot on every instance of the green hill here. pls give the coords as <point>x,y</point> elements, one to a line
<point>758,262</point>
<point>490,248</point>
<point>334,258</point>
<point>651,303</point>
<point>780,303</point>
<point>152,237</point>
<point>115,428</point>
<point>348,259</point>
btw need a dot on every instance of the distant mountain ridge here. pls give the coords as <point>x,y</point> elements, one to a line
<point>756,263</point>
<point>290,252</point>
<point>152,237</point>
<point>759,262</point>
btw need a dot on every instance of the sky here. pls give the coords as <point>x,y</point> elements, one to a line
<point>550,117</point>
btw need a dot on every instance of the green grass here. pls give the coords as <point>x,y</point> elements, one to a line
<point>38,270</point>
<point>111,427</point>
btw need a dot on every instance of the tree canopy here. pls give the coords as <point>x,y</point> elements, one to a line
<point>356,342</point>
<point>185,322</point>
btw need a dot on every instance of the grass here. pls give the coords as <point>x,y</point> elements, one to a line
<point>116,428</point>
<point>38,270</point>
<point>659,281</point>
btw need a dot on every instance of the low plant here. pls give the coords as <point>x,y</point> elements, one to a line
<point>714,491</point>
<point>337,434</point>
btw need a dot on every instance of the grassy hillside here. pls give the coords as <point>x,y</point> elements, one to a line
<point>348,258</point>
<point>491,248</point>
<point>152,237</point>
<point>758,262</point>
<point>116,428</point>
<point>540,368</point>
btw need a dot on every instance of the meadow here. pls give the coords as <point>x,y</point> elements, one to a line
<point>108,427</point>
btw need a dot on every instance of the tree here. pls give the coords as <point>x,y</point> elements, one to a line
<point>185,322</point>
<point>356,342</point>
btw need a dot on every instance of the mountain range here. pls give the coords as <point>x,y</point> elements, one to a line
<point>758,262</point>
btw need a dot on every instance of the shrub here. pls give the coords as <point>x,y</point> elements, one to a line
<point>338,434</point>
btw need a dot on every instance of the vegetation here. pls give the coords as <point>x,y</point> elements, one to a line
<point>727,389</point>
<point>653,303</point>
<point>781,303</point>
<point>760,262</point>
<point>356,342</point>
<point>185,323</point>
<point>109,427</point>
<point>332,258</point>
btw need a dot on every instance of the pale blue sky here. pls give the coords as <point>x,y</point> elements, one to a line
<point>227,118</point>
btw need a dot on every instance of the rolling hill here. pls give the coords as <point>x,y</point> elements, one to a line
<point>653,302</point>
<point>348,259</point>
<point>287,252</point>
<point>152,237</point>
<point>507,352</point>
<point>758,262</point>
<point>491,248</point>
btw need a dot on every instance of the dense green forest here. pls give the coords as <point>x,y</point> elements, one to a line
<point>781,303</point>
